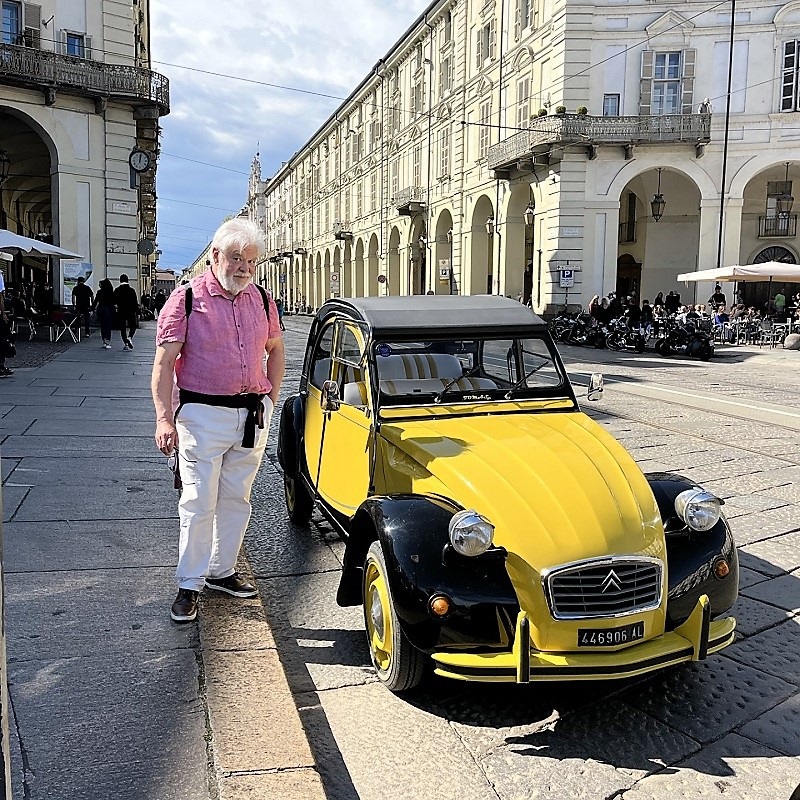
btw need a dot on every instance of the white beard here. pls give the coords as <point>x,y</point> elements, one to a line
<point>232,285</point>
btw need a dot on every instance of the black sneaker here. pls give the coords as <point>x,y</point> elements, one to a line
<point>234,584</point>
<point>184,609</point>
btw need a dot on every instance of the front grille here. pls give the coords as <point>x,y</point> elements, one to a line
<point>607,588</point>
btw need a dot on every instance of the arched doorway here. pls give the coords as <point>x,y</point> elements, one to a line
<point>761,294</point>
<point>518,245</point>
<point>346,278</point>
<point>372,267</point>
<point>629,277</point>
<point>359,269</point>
<point>418,277</point>
<point>481,253</point>
<point>334,288</point>
<point>442,268</point>
<point>393,278</point>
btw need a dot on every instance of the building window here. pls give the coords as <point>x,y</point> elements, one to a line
<point>523,102</point>
<point>523,16</point>
<point>445,76</point>
<point>667,82</point>
<point>444,152</point>
<point>394,186</point>
<point>373,190</point>
<point>347,207</point>
<point>12,23</point>
<point>484,133</point>
<point>417,166</point>
<point>74,45</point>
<point>790,97</point>
<point>485,42</point>
<point>359,198</point>
<point>610,105</point>
<point>448,27</point>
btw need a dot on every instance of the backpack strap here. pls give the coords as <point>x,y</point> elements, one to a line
<point>187,299</point>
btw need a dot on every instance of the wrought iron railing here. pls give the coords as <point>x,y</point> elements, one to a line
<point>627,232</point>
<point>408,194</point>
<point>46,69</point>
<point>778,225</point>
<point>581,128</point>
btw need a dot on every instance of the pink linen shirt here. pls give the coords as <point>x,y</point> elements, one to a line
<point>224,347</point>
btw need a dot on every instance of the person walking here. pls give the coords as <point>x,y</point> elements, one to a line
<point>158,301</point>
<point>83,301</point>
<point>104,305</point>
<point>226,396</point>
<point>127,304</point>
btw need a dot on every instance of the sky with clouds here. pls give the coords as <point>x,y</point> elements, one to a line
<point>224,63</point>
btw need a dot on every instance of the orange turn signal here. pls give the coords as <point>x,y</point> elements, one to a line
<point>721,568</point>
<point>440,605</point>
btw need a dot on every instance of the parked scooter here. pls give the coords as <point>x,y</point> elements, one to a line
<point>687,340</point>
<point>622,337</point>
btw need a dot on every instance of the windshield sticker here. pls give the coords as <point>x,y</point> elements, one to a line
<point>383,350</point>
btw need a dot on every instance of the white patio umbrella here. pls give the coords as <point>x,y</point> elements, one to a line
<point>14,243</point>
<point>768,271</point>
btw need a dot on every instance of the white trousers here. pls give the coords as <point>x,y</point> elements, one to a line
<point>217,474</point>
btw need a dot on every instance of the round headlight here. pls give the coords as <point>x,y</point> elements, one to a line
<point>470,533</point>
<point>698,509</point>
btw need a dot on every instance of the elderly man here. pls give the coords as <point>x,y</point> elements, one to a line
<point>214,350</point>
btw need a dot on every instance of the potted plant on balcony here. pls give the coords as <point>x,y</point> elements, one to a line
<point>582,110</point>
<point>542,112</point>
<point>561,109</point>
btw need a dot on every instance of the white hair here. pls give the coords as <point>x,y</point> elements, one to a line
<point>239,234</point>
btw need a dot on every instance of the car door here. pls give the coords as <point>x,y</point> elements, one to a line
<point>319,370</point>
<point>347,441</point>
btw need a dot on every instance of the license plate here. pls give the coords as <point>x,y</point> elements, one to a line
<point>610,637</point>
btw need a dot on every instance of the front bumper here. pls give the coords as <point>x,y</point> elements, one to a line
<point>692,641</point>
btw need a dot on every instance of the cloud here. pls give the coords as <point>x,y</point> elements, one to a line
<point>327,48</point>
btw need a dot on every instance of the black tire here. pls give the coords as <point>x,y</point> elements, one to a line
<point>706,351</point>
<point>662,348</point>
<point>640,344</point>
<point>299,502</point>
<point>614,342</point>
<point>398,664</point>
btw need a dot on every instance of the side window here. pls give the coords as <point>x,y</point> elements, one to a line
<point>321,359</point>
<point>348,361</point>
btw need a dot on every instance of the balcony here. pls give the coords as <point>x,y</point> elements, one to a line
<point>627,232</point>
<point>779,225</point>
<point>53,72</point>
<point>580,129</point>
<point>410,201</point>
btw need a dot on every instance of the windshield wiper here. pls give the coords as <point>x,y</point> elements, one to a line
<point>524,378</point>
<point>452,382</point>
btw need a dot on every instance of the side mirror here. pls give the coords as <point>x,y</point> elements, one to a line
<point>330,396</point>
<point>595,386</point>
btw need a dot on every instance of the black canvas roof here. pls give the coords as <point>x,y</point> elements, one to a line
<point>440,312</point>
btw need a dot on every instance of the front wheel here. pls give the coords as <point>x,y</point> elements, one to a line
<point>399,665</point>
<point>615,341</point>
<point>299,502</point>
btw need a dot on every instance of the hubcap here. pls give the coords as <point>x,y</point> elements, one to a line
<point>378,619</point>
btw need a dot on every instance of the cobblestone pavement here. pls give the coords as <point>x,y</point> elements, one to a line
<point>36,352</point>
<point>722,728</point>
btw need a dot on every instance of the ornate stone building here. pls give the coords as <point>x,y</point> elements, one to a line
<point>548,150</point>
<point>79,123</point>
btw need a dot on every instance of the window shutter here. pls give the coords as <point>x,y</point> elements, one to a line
<point>479,48</point>
<point>646,83</point>
<point>687,87</point>
<point>789,80</point>
<point>492,38</point>
<point>518,19</point>
<point>87,47</point>
<point>62,42</point>
<point>32,22</point>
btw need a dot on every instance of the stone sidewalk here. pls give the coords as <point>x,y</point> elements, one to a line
<point>109,698</point>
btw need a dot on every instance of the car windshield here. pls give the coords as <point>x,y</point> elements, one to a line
<point>469,370</point>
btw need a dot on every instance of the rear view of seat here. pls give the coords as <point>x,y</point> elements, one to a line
<point>418,366</point>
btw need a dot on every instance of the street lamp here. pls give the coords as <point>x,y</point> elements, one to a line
<point>490,226</point>
<point>658,202</point>
<point>529,215</point>
<point>784,201</point>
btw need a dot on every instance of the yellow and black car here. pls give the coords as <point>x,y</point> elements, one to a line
<point>490,525</point>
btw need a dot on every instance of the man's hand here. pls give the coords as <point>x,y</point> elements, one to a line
<point>166,437</point>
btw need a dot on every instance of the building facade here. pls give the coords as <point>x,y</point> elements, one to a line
<point>79,125</point>
<point>548,150</point>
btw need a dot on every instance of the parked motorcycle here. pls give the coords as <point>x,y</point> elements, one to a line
<point>686,340</point>
<point>621,337</point>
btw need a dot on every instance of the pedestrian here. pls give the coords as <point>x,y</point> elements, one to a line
<point>780,304</point>
<point>614,306</point>
<point>159,300</point>
<point>672,302</point>
<point>7,347</point>
<point>279,306</point>
<point>718,297</point>
<point>83,301</point>
<point>659,301</point>
<point>104,305</point>
<point>225,403</point>
<point>127,304</point>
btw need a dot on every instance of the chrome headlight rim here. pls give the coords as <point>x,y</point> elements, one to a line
<point>471,534</point>
<point>698,509</point>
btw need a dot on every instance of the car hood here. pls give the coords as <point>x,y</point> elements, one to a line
<point>556,486</point>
